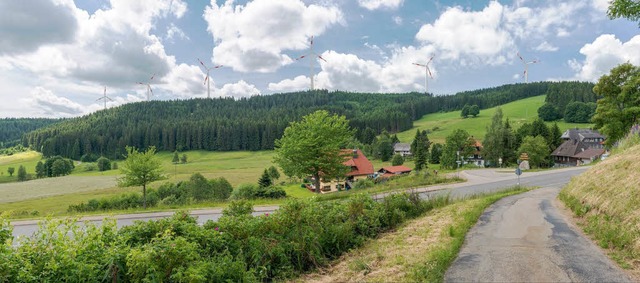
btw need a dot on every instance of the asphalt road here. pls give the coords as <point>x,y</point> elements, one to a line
<point>524,238</point>
<point>479,181</point>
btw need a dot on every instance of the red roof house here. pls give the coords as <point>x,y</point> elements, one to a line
<point>394,170</point>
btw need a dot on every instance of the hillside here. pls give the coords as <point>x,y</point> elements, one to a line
<point>12,129</point>
<point>607,199</point>
<point>249,124</point>
<point>519,112</point>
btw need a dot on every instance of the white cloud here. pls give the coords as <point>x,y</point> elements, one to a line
<point>600,5</point>
<point>174,32</point>
<point>546,47</point>
<point>252,38</point>
<point>49,104</point>
<point>397,20</point>
<point>380,4</point>
<point>604,53</point>
<point>289,85</point>
<point>241,89</point>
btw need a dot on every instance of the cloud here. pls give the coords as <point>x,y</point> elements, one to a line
<point>546,47</point>
<point>600,5</point>
<point>289,85</point>
<point>241,89</point>
<point>27,25</point>
<point>174,32</point>
<point>51,105</point>
<point>397,20</point>
<point>380,4</point>
<point>603,54</point>
<point>253,37</point>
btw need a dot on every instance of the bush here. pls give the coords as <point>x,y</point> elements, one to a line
<point>363,184</point>
<point>87,158</point>
<point>245,191</point>
<point>104,164</point>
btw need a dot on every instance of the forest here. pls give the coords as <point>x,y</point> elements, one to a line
<point>225,124</point>
<point>12,129</point>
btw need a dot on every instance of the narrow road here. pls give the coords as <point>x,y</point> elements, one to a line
<point>525,238</point>
<point>478,181</point>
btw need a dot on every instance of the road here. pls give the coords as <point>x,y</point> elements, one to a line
<point>525,238</point>
<point>479,181</point>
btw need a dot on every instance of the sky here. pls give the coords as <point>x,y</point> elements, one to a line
<point>59,57</point>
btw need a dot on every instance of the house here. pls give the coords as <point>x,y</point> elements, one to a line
<point>359,168</point>
<point>580,146</point>
<point>403,149</point>
<point>391,171</point>
<point>475,158</point>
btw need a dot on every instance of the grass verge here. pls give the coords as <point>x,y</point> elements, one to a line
<point>419,251</point>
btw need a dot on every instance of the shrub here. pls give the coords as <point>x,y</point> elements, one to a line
<point>238,208</point>
<point>245,191</point>
<point>104,164</point>
<point>363,184</point>
<point>221,188</point>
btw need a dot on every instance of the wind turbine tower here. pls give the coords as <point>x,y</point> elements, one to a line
<point>311,56</point>
<point>427,73</point>
<point>105,98</point>
<point>207,80</point>
<point>526,67</point>
<point>148,84</point>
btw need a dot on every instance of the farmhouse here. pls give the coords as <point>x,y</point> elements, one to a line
<point>359,168</point>
<point>391,171</point>
<point>403,149</point>
<point>475,158</point>
<point>580,146</point>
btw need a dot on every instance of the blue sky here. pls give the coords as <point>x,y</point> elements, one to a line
<point>56,56</point>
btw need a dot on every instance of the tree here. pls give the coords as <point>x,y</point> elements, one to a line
<point>397,160</point>
<point>104,164</point>
<point>493,144</point>
<point>619,107</point>
<point>420,150</point>
<point>22,173</point>
<point>176,158</point>
<point>536,148</point>
<point>556,137</point>
<point>548,112</point>
<point>509,143</point>
<point>383,147</point>
<point>628,9</point>
<point>274,174</point>
<point>265,179</point>
<point>313,147</point>
<point>10,170</point>
<point>40,171</point>
<point>436,152</point>
<point>578,112</point>
<point>474,110</point>
<point>183,159</point>
<point>465,111</point>
<point>457,142</point>
<point>140,169</point>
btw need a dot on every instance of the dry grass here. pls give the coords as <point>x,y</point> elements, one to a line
<point>394,256</point>
<point>607,200</point>
<point>12,192</point>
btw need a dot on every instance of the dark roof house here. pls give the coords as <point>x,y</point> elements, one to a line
<point>580,146</point>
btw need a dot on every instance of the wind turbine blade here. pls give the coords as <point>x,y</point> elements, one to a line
<point>150,90</point>
<point>301,57</point>
<point>219,66</point>
<point>419,64</point>
<point>202,64</point>
<point>152,77</point>
<point>430,59</point>
<point>429,70</point>
<point>205,79</point>
<point>322,58</point>
<point>141,83</point>
<point>522,59</point>
<point>311,40</point>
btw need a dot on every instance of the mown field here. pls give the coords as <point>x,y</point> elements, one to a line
<point>518,112</point>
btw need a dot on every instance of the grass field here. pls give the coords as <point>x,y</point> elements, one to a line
<point>27,159</point>
<point>518,112</point>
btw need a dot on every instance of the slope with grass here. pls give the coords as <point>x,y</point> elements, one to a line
<point>606,201</point>
<point>519,112</point>
<point>28,159</point>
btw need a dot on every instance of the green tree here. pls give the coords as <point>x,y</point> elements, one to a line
<point>59,168</point>
<point>556,137</point>
<point>274,174</point>
<point>420,150</point>
<point>474,110</point>
<point>183,159</point>
<point>397,160</point>
<point>10,170</point>
<point>493,143</point>
<point>458,145</point>
<point>40,171</point>
<point>200,188</point>
<point>104,164</point>
<point>619,107</point>
<point>548,112</point>
<point>628,9</point>
<point>22,173</point>
<point>465,111</point>
<point>265,179</point>
<point>176,158</point>
<point>436,152</point>
<point>578,112</point>
<point>383,147</point>
<point>140,169</point>
<point>509,143</point>
<point>312,146</point>
<point>536,148</point>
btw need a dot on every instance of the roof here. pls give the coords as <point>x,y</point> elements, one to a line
<point>589,153</point>
<point>401,147</point>
<point>396,169</point>
<point>581,134</point>
<point>569,148</point>
<point>359,163</point>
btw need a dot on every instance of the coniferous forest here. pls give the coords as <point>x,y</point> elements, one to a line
<point>225,124</point>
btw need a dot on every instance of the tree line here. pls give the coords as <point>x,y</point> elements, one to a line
<point>12,129</point>
<point>254,123</point>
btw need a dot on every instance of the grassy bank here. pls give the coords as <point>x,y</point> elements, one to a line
<point>606,201</point>
<point>420,251</point>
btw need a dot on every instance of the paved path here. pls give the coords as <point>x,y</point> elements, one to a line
<point>478,181</point>
<point>524,238</point>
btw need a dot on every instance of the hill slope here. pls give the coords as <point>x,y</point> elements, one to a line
<point>608,200</point>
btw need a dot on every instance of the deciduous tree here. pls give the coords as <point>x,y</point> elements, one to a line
<point>140,169</point>
<point>312,147</point>
<point>22,173</point>
<point>11,170</point>
<point>474,110</point>
<point>628,9</point>
<point>536,148</point>
<point>397,160</point>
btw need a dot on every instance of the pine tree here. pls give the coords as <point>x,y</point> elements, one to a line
<point>22,173</point>
<point>176,158</point>
<point>183,159</point>
<point>40,172</point>
<point>265,179</point>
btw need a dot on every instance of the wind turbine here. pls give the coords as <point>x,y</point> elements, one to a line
<point>427,73</point>
<point>311,54</point>
<point>526,67</point>
<point>207,80</point>
<point>148,84</point>
<point>105,98</point>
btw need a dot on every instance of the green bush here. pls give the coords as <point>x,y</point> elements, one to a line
<point>363,184</point>
<point>104,164</point>
<point>245,191</point>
